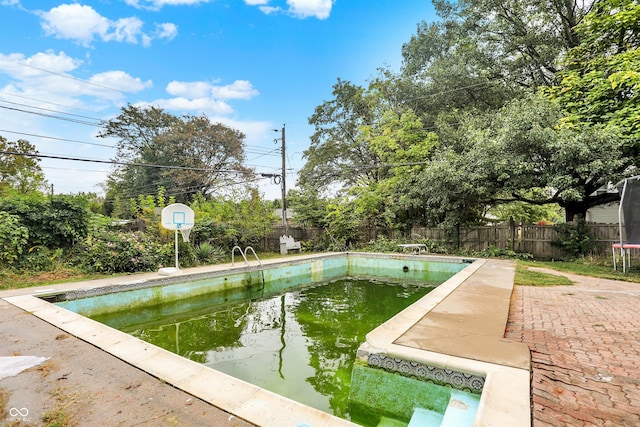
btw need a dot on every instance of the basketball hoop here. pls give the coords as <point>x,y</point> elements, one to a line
<point>178,217</point>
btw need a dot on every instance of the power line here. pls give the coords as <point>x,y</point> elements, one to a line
<point>82,122</point>
<point>113,162</point>
<point>69,77</point>
<point>57,139</point>
<point>42,101</point>
<point>48,109</point>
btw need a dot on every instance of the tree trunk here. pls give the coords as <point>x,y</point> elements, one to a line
<point>575,211</point>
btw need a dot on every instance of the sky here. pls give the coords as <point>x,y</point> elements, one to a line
<point>253,65</point>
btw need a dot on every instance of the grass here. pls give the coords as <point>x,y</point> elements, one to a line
<point>601,267</point>
<point>25,279</point>
<point>62,414</point>
<point>526,277</point>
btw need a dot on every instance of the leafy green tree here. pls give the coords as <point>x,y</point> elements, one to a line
<point>337,155</point>
<point>237,219</point>
<point>186,155</point>
<point>600,84</point>
<point>309,207</point>
<point>405,148</point>
<point>521,154</point>
<point>22,174</point>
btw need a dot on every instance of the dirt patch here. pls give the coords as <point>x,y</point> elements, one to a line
<point>80,385</point>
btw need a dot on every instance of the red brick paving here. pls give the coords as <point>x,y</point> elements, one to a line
<point>585,351</point>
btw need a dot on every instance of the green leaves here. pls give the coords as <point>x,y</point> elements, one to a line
<point>21,174</point>
<point>202,153</point>
<point>13,238</point>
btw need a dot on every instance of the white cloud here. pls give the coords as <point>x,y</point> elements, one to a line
<point>48,76</point>
<point>166,30</point>
<point>240,89</point>
<point>307,8</point>
<point>207,106</point>
<point>302,9</point>
<point>268,10</point>
<point>76,22</point>
<point>189,89</point>
<point>120,81</point>
<point>83,25</point>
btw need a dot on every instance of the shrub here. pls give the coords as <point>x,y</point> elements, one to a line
<point>40,258</point>
<point>116,252</point>
<point>13,238</point>
<point>574,238</point>
<point>206,252</point>
<point>56,223</point>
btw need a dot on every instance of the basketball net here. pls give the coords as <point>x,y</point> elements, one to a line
<point>185,233</point>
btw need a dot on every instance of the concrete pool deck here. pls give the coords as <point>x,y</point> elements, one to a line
<point>473,307</point>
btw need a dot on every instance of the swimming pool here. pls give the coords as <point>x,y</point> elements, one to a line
<point>480,293</point>
<point>277,328</point>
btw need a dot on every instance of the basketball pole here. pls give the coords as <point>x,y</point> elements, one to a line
<point>176,246</point>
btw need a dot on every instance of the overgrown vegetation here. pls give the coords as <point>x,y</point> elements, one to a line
<point>499,111</point>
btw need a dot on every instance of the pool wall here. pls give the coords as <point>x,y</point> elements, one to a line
<point>255,281</point>
<point>505,396</point>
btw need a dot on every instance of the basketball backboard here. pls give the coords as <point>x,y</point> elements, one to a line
<point>177,216</point>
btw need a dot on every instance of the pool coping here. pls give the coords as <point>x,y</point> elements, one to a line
<point>505,396</point>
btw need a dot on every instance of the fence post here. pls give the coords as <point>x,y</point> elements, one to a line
<point>512,229</point>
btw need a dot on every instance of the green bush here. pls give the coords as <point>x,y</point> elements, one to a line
<point>40,258</point>
<point>13,238</point>
<point>207,253</point>
<point>56,223</point>
<point>117,252</point>
<point>574,238</point>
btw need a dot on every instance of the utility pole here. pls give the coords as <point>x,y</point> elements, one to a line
<point>283,184</point>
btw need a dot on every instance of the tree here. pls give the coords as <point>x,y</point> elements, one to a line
<point>521,149</point>
<point>18,172</point>
<point>600,84</point>
<point>186,155</point>
<point>337,156</point>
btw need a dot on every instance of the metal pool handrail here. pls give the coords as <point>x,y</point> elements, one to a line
<point>244,254</point>
<point>254,254</point>
<point>233,251</point>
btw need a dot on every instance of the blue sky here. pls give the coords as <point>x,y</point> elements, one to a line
<point>253,65</point>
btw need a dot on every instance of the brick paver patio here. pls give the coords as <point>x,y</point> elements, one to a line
<point>585,351</point>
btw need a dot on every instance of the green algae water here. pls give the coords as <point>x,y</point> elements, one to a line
<point>300,344</point>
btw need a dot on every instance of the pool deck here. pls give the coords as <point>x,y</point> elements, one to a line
<point>459,326</point>
<point>584,349</point>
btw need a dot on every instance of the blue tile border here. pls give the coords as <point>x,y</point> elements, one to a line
<point>455,379</point>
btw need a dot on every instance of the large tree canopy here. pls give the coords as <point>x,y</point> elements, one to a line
<point>19,172</point>
<point>472,80</point>
<point>184,155</point>
<point>600,84</point>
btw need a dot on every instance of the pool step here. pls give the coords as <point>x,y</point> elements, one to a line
<point>425,418</point>
<point>390,422</point>
<point>461,411</point>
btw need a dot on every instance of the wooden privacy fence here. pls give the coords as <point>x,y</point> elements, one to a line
<point>527,238</point>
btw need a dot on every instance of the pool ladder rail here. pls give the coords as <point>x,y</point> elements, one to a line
<point>244,254</point>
